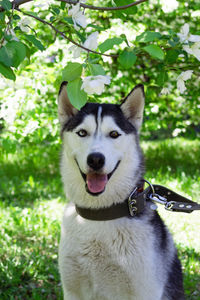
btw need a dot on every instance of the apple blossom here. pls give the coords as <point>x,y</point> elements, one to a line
<point>165,91</point>
<point>181,80</point>
<point>90,43</point>
<point>23,24</point>
<point>185,36</point>
<point>77,16</point>
<point>169,5</point>
<point>194,50</point>
<point>95,84</point>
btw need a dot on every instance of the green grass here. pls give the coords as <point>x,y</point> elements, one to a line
<point>32,201</point>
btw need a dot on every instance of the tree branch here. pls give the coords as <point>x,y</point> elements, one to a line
<point>104,8</point>
<point>64,36</point>
<point>15,4</point>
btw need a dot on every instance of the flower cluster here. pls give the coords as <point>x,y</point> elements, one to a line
<point>91,84</point>
<point>191,44</point>
<point>186,38</point>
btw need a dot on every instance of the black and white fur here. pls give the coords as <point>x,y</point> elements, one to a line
<point>121,259</point>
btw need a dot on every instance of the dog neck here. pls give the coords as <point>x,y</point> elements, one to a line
<point>132,206</point>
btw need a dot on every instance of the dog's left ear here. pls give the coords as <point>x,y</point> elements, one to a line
<point>133,106</point>
<point>65,108</point>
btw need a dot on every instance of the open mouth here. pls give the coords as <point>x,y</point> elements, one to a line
<point>96,182</point>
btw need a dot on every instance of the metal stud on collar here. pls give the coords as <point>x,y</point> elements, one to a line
<point>131,203</point>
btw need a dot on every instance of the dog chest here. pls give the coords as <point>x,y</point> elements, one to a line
<point>112,256</point>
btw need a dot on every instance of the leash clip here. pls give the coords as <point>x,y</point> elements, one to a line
<point>160,199</point>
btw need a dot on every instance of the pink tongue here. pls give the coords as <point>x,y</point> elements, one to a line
<point>96,182</point>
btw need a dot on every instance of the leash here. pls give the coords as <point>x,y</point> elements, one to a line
<point>162,195</point>
<point>138,199</point>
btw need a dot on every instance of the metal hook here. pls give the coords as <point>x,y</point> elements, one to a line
<point>151,185</point>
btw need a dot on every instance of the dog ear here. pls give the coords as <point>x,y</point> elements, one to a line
<point>133,106</point>
<point>65,108</point>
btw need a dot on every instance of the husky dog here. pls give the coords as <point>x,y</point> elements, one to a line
<point>120,259</point>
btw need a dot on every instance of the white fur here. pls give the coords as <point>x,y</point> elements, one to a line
<point>111,260</point>
<point>106,260</point>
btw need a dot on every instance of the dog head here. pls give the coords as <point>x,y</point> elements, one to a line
<point>100,145</point>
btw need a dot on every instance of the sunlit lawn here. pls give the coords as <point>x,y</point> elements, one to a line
<point>31,204</point>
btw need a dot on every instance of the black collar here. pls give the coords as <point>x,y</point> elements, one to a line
<point>135,204</point>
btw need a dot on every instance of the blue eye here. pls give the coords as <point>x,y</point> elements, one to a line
<point>82,133</point>
<point>114,134</point>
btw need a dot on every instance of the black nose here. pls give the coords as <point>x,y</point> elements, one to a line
<point>96,160</point>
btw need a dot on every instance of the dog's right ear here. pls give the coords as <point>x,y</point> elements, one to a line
<point>65,108</point>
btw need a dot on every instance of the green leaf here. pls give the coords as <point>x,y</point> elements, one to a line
<point>96,69</point>
<point>2,16</point>
<point>123,36</point>
<point>20,50</point>
<point>127,58</point>
<point>109,43</point>
<point>77,97</point>
<point>171,56</point>
<point>72,71</point>
<point>7,55</point>
<point>99,28</point>
<point>155,51</point>
<point>69,20</point>
<point>148,36</point>
<point>161,78</point>
<point>6,4</point>
<point>81,36</point>
<point>16,17</point>
<point>8,37</point>
<point>128,11</point>
<point>7,72</point>
<point>55,10</point>
<point>62,5</point>
<point>34,41</point>
<point>12,54</point>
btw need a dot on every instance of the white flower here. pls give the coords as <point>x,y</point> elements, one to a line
<point>23,24</point>
<point>95,84</point>
<point>181,80</point>
<point>77,16</point>
<point>90,43</point>
<point>76,51</point>
<point>31,127</point>
<point>176,132</point>
<point>155,109</point>
<point>194,50</point>
<point>168,5</point>
<point>185,36</point>
<point>165,91</point>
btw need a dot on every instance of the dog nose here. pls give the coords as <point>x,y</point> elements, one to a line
<point>96,160</point>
